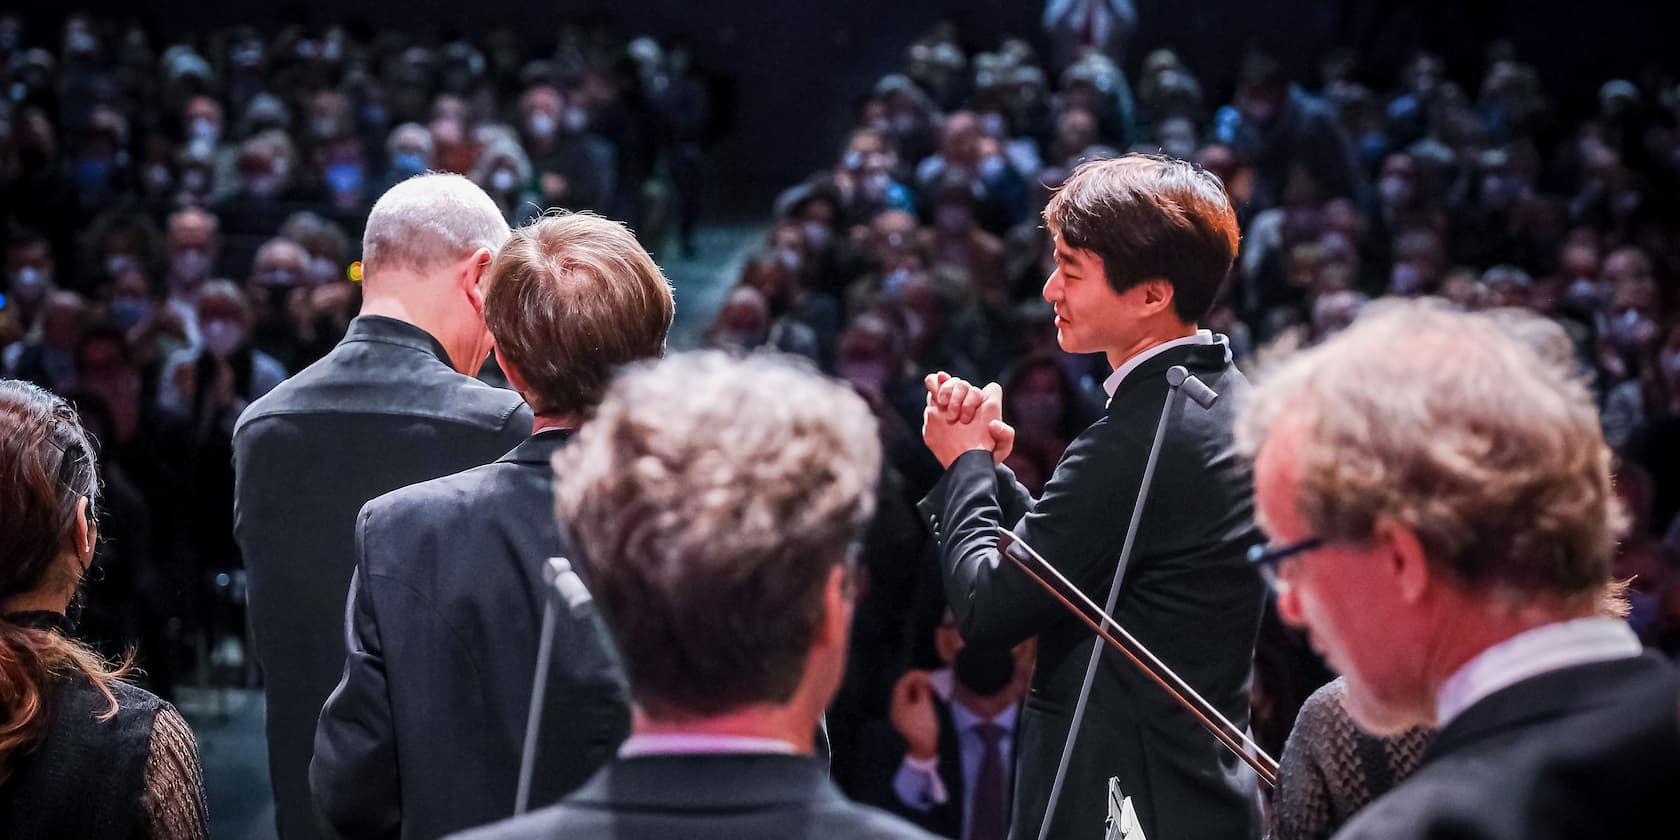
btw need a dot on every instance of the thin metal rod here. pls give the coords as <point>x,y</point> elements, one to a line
<point>1210,718</point>
<point>1174,398</point>
<point>533,719</point>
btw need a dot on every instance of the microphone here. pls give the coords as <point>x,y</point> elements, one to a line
<point>560,583</point>
<point>1194,388</point>
<point>559,574</point>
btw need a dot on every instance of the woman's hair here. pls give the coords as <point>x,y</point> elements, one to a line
<point>46,468</point>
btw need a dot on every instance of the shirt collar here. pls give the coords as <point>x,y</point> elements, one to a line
<point>1112,383</point>
<point>692,744</point>
<point>965,720</point>
<point>393,331</point>
<point>1530,654</point>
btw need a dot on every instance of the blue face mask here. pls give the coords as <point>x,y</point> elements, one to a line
<point>344,177</point>
<point>128,312</point>
<point>408,164</point>
<point>93,173</point>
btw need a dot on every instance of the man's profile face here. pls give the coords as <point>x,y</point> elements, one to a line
<point>1090,316</point>
<point>1339,594</point>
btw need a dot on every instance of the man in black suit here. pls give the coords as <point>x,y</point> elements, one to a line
<point>1439,502</point>
<point>423,735</point>
<point>394,403</point>
<point>716,505</point>
<point>1142,246</point>
<point>944,762</point>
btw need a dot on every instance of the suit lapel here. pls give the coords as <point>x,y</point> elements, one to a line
<point>1545,697</point>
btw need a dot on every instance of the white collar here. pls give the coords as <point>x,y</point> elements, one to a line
<point>1530,654</point>
<point>695,744</point>
<point>1112,383</point>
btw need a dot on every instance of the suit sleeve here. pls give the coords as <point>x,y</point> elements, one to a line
<point>353,776</point>
<point>1078,524</point>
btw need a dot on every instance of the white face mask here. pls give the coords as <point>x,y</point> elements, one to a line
<point>221,336</point>
<point>502,180</point>
<point>30,283</point>
<point>541,124</point>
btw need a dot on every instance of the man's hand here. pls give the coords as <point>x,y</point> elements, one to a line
<point>914,715</point>
<point>960,417</point>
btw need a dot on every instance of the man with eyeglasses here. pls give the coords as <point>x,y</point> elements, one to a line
<point>1442,522</point>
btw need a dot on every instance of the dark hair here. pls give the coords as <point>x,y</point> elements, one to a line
<point>573,297</point>
<point>46,468</point>
<point>1150,217</point>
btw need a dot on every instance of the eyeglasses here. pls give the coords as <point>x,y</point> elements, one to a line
<point>1268,561</point>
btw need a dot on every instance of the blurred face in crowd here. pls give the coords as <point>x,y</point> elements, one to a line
<point>1035,401</point>
<point>1177,137</point>
<point>1076,131</point>
<point>867,358</point>
<point>743,321</point>
<point>131,301</point>
<point>262,172</point>
<point>960,145</point>
<point>192,249</point>
<point>1398,182</point>
<point>63,320</point>
<point>203,120</point>
<point>224,321</point>
<point>29,271</point>
<point>540,111</point>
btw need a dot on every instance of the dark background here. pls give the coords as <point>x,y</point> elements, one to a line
<point>786,72</point>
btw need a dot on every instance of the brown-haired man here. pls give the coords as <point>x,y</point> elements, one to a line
<point>1142,246</point>
<point>423,734</point>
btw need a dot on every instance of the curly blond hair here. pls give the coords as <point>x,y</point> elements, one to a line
<point>708,500</point>
<point>1447,423</point>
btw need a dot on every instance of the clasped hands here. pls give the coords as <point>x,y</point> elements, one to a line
<point>960,418</point>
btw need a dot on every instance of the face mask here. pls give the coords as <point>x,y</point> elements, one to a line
<point>951,218</point>
<point>344,177</point>
<point>992,125</point>
<point>893,283</point>
<point>116,264</point>
<point>195,181</point>
<point>1632,330</point>
<point>29,283</point>
<point>188,266</point>
<point>263,186</point>
<point>574,119</point>
<point>1395,190</point>
<point>790,259</point>
<point>541,124</point>
<point>92,173</point>
<point>321,270</point>
<point>128,312</point>
<point>324,127</point>
<point>222,337</point>
<point>986,670</point>
<point>853,161</point>
<point>866,374</point>
<point>204,131</point>
<point>1582,294</point>
<point>1373,146</point>
<point>1406,280</point>
<point>157,177</point>
<point>408,163</point>
<point>373,115</point>
<point>502,180</point>
<point>816,233</point>
<point>1038,411</point>
<point>1670,362</point>
<point>903,123</point>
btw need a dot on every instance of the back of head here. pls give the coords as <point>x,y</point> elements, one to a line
<point>1150,217</point>
<point>46,468</point>
<point>425,223</point>
<point>1448,424</point>
<point>573,297</point>
<point>711,499</point>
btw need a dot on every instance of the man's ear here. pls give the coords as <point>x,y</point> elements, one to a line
<point>1405,559</point>
<point>475,278</point>
<point>836,625</point>
<point>1157,296</point>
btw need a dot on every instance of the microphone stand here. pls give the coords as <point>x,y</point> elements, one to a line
<point>560,584</point>
<point>1180,384</point>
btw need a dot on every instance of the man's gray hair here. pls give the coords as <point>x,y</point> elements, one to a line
<point>430,220</point>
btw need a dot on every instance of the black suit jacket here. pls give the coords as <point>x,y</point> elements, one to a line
<point>1188,595</point>
<point>705,797</point>
<point>881,752</point>
<point>1588,751</point>
<point>383,410</point>
<point>424,731</point>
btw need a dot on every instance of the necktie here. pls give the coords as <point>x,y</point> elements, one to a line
<point>989,820</point>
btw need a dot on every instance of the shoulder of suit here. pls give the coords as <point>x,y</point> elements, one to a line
<point>432,504</point>
<point>449,397</point>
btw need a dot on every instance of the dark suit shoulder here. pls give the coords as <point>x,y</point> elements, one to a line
<point>439,510</point>
<point>827,821</point>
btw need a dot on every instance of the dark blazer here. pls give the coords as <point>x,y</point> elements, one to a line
<point>881,752</point>
<point>1188,595</point>
<point>705,797</point>
<point>424,732</point>
<point>1588,751</point>
<point>383,410</point>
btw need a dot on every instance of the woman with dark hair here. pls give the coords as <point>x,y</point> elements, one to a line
<point>82,754</point>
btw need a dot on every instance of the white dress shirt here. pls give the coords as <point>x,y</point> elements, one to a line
<point>1112,383</point>
<point>1530,654</point>
<point>686,744</point>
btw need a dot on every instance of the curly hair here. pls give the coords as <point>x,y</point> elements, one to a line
<point>1447,423</point>
<point>707,502</point>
